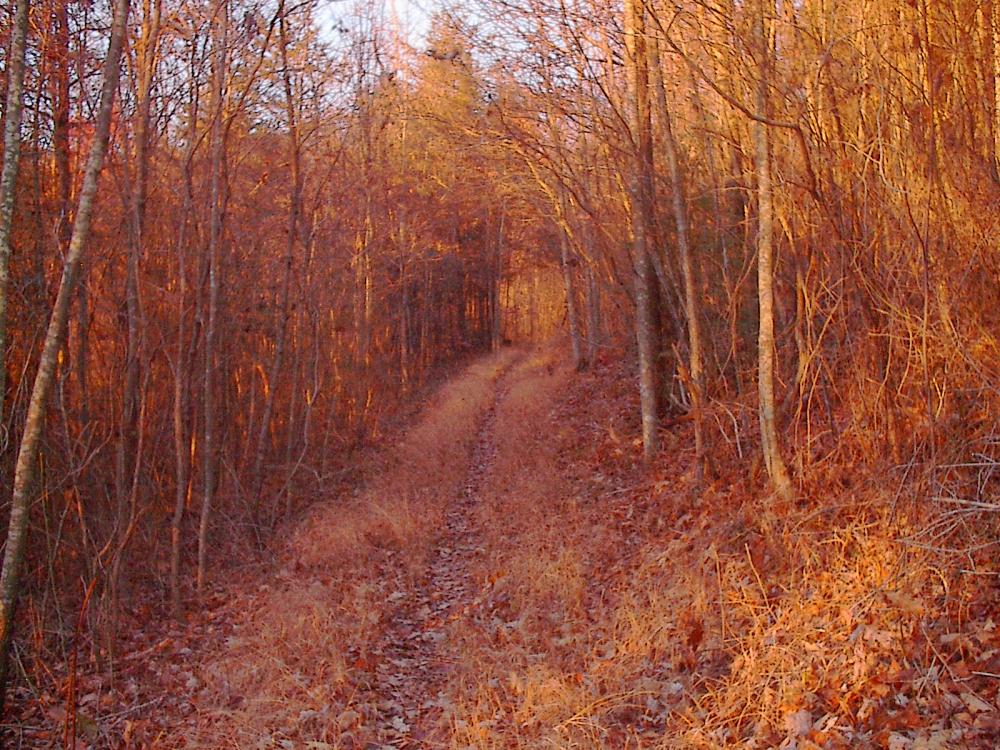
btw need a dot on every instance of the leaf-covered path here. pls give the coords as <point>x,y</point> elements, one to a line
<point>413,657</point>
<point>347,644</point>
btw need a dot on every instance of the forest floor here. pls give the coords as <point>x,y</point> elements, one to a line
<point>508,576</point>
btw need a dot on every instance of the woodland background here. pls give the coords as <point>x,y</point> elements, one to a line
<point>781,216</point>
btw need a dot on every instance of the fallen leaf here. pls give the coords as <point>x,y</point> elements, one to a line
<point>908,604</point>
<point>798,723</point>
<point>976,704</point>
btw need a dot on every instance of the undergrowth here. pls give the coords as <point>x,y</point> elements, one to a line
<point>624,608</point>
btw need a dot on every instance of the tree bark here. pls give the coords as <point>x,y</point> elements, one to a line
<point>24,472</point>
<point>8,173</point>
<point>127,451</point>
<point>571,311</point>
<point>292,234</point>
<point>995,39</point>
<point>183,430</point>
<point>496,331</point>
<point>678,188</point>
<point>593,315</point>
<point>770,445</point>
<point>640,195</point>
<point>220,25</point>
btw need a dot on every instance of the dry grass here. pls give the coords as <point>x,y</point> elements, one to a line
<point>536,668</point>
<point>620,610</point>
<point>295,665</point>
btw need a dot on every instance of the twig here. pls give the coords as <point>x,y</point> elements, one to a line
<point>69,727</point>
<point>760,583</point>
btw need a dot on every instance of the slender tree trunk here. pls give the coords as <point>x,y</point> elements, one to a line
<point>678,187</point>
<point>770,445</point>
<point>183,431</point>
<point>533,306</point>
<point>639,190</point>
<point>27,456</point>
<point>219,54</point>
<point>571,311</point>
<point>60,118</point>
<point>404,319</point>
<point>60,93</point>
<point>127,453</point>
<point>497,310</point>
<point>425,318</point>
<point>995,39</point>
<point>292,234</point>
<point>8,173</point>
<point>593,315</point>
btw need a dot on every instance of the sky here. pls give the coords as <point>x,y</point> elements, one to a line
<point>413,16</point>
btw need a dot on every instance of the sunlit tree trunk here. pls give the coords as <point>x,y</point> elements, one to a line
<point>995,39</point>
<point>426,298</point>
<point>572,315</point>
<point>533,325</point>
<point>184,356</point>
<point>362,314</point>
<point>127,450</point>
<point>294,149</point>
<point>24,472</point>
<point>692,312</point>
<point>59,90</point>
<point>404,322</point>
<point>640,184</point>
<point>770,445</point>
<point>496,312</point>
<point>593,315</point>
<point>8,173</point>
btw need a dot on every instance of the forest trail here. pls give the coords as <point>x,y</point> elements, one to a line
<point>509,576</point>
<point>353,643</point>
<point>415,656</point>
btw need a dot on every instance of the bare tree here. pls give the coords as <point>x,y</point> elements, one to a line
<point>220,38</point>
<point>640,194</point>
<point>8,173</point>
<point>54,337</point>
<point>295,199</point>
<point>678,189</point>
<point>770,445</point>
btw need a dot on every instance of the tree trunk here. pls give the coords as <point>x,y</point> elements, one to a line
<point>995,39</point>
<point>8,174</point>
<point>641,211</point>
<point>127,452</point>
<point>497,310</point>
<point>220,27</point>
<point>533,307</point>
<point>593,315</point>
<point>292,234</point>
<point>571,312</point>
<point>183,430</point>
<point>678,186</point>
<point>27,456</point>
<point>770,446</point>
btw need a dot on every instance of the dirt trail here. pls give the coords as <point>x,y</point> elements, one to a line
<point>411,677</point>
<point>351,642</point>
